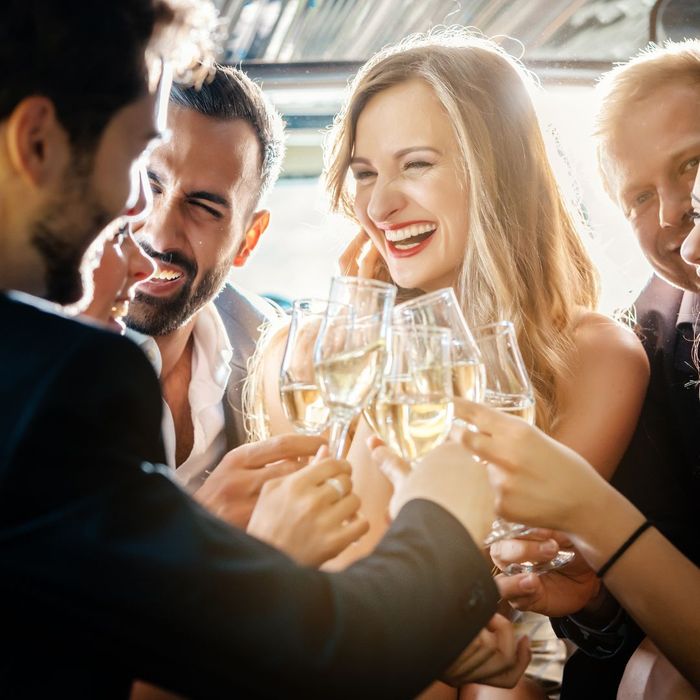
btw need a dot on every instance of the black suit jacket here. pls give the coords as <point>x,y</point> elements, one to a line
<point>109,571</point>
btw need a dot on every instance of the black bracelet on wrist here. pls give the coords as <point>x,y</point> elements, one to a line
<point>623,548</point>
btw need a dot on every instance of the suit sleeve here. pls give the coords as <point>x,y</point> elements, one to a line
<point>101,539</point>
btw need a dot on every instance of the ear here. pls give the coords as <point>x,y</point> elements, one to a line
<point>260,221</point>
<point>37,144</point>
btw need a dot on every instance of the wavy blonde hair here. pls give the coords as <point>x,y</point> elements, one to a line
<point>524,260</point>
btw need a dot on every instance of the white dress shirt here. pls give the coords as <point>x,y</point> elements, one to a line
<point>211,357</point>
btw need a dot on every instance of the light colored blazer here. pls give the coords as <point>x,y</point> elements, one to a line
<point>243,313</point>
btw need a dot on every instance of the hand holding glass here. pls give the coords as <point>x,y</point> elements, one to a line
<point>508,389</point>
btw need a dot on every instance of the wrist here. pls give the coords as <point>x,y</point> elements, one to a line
<point>600,610</point>
<point>609,521</point>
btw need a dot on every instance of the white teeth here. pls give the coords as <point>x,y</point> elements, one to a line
<point>406,246</point>
<point>167,275</point>
<point>402,234</point>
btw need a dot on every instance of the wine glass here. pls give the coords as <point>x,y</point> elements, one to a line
<point>350,351</point>
<point>413,409</point>
<point>508,389</point>
<point>441,309</point>
<point>299,392</point>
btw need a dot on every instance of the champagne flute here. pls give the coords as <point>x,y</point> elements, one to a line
<point>349,354</point>
<point>413,409</point>
<point>441,309</point>
<point>299,392</point>
<point>508,389</point>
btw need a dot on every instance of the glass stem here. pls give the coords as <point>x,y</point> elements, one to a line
<point>339,432</point>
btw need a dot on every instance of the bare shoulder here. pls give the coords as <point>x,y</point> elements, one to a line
<point>603,342</point>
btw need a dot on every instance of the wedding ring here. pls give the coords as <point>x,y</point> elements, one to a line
<point>337,484</point>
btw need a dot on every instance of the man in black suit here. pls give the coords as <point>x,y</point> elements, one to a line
<point>108,571</point>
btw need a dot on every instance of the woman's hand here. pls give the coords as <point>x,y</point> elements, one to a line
<point>360,257</point>
<point>555,593</point>
<point>307,516</point>
<point>536,480</point>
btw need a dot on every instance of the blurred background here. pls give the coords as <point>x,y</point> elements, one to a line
<point>303,53</point>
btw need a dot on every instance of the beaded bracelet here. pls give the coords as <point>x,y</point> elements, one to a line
<point>623,548</point>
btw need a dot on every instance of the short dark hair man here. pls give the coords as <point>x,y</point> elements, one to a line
<point>108,570</point>
<point>200,331</point>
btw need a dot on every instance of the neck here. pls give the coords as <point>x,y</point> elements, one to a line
<point>175,348</point>
<point>21,266</point>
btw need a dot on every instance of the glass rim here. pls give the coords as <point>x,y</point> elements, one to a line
<point>364,282</point>
<point>297,304</point>
<point>444,331</point>
<point>430,296</point>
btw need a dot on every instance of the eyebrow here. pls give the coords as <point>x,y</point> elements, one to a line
<point>210,197</point>
<point>695,198</point>
<point>400,153</point>
<point>197,194</point>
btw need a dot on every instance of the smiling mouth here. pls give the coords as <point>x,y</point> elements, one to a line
<point>165,275</point>
<point>409,236</point>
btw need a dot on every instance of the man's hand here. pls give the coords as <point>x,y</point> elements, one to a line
<point>234,486</point>
<point>306,516</point>
<point>555,593</point>
<point>494,657</point>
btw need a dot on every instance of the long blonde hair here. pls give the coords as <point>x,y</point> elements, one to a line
<point>524,260</point>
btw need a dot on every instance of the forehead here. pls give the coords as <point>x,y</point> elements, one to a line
<point>209,154</point>
<point>414,113</point>
<point>652,133</point>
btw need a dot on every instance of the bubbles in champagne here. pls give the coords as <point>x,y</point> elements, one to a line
<point>304,407</point>
<point>347,380</point>
<point>514,404</point>
<point>469,380</point>
<point>413,425</point>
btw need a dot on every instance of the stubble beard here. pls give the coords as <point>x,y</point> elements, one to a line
<point>63,232</point>
<point>156,316</point>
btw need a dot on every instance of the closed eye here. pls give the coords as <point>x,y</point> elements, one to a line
<point>363,174</point>
<point>417,165</point>
<point>210,210</point>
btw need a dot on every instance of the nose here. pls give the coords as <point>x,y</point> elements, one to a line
<point>140,203</point>
<point>674,206</point>
<point>164,226</point>
<point>385,201</point>
<point>690,250</point>
<point>140,266</point>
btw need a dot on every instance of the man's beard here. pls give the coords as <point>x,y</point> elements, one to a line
<point>158,316</point>
<point>64,231</point>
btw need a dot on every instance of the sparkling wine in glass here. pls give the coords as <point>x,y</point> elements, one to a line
<point>350,350</point>
<point>413,409</point>
<point>299,393</point>
<point>508,389</point>
<point>441,309</point>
